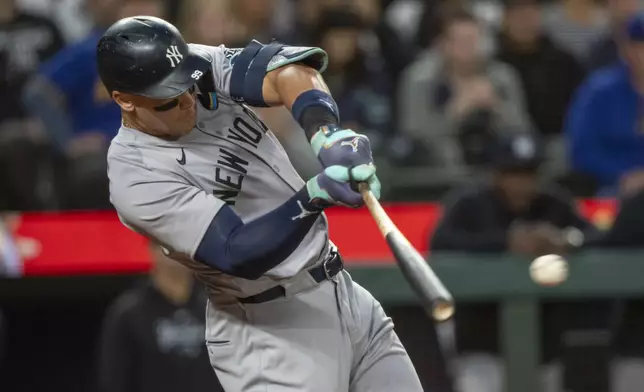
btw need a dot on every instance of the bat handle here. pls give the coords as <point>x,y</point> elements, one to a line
<point>363,187</point>
<point>385,224</point>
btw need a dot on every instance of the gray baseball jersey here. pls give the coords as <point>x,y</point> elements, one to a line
<point>170,191</point>
<point>334,338</point>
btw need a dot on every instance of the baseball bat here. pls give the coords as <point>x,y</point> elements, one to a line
<point>435,298</point>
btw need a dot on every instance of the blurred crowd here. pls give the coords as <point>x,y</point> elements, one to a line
<point>505,109</point>
<point>434,83</point>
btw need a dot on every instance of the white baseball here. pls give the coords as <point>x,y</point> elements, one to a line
<point>549,270</point>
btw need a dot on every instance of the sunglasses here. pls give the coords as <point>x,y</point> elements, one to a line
<point>171,104</point>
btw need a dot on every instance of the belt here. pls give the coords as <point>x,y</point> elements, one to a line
<point>325,271</point>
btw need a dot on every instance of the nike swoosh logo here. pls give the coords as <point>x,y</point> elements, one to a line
<point>182,161</point>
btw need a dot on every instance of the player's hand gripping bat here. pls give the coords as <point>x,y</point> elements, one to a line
<point>435,298</point>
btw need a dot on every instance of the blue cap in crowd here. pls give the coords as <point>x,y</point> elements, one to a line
<point>635,27</point>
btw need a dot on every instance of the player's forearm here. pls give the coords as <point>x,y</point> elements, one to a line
<point>302,90</point>
<point>249,250</point>
<point>283,85</point>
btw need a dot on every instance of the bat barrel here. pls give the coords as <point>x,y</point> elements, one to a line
<point>434,297</point>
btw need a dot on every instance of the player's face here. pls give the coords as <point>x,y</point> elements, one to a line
<point>518,187</point>
<point>170,118</point>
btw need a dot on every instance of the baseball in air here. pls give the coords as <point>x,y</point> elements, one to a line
<point>549,270</point>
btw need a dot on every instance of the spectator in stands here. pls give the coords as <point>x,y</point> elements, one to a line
<point>605,124</point>
<point>26,41</point>
<point>153,335</point>
<point>454,99</point>
<point>246,20</point>
<point>604,52</point>
<point>549,74</point>
<point>513,214</point>
<point>210,22</point>
<point>378,37</point>
<point>382,40</point>
<point>81,118</point>
<point>575,25</point>
<point>357,78</point>
<point>255,18</point>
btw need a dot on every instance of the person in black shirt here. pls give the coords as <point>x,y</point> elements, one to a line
<point>153,336</point>
<point>25,42</point>
<point>605,51</point>
<point>548,73</point>
<point>513,214</point>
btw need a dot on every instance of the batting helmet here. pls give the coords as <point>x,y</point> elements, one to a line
<point>147,56</point>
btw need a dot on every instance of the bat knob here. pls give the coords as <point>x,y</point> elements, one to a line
<point>443,311</point>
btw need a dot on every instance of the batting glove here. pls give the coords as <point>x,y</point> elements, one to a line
<point>344,147</point>
<point>336,185</point>
<point>337,147</point>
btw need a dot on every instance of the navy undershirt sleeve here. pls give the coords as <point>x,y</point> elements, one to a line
<point>248,250</point>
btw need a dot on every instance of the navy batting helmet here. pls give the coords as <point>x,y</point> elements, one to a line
<point>147,56</point>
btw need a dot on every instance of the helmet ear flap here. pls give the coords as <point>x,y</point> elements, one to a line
<point>206,91</point>
<point>206,83</point>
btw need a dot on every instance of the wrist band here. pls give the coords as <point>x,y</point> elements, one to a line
<point>313,109</point>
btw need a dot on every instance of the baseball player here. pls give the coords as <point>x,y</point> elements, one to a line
<point>194,169</point>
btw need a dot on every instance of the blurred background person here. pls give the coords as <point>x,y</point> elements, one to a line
<point>80,117</point>
<point>549,75</point>
<point>356,77</point>
<point>604,125</point>
<point>513,212</point>
<point>26,175</point>
<point>210,22</point>
<point>575,25</point>
<point>153,335</point>
<point>604,51</point>
<point>454,99</point>
<point>378,37</point>
<point>255,21</point>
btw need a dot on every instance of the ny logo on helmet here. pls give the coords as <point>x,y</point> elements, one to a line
<point>174,55</point>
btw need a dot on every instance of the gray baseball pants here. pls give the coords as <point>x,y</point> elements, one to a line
<point>327,337</point>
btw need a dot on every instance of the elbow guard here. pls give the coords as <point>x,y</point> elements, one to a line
<point>256,60</point>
